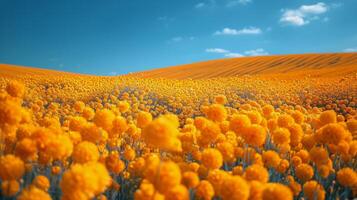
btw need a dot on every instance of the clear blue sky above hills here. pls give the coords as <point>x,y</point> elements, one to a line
<point>108,37</point>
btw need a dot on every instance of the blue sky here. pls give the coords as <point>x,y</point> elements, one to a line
<point>108,37</point>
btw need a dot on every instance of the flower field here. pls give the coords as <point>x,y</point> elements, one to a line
<point>271,137</point>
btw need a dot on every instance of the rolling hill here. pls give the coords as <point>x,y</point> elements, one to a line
<point>317,65</point>
<point>331,64</point>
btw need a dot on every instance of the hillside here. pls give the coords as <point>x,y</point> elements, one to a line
<point>332,64</point>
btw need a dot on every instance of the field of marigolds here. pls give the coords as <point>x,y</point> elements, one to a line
<point>79,137</point>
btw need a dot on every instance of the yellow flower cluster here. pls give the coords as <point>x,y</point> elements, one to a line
<point>249,138</point>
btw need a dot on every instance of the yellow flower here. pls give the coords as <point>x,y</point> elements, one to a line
<point>15,89</point>
<point>235,188</point>
<point>332,133</point>
<point>204,190</point>
<point>143,119</point>
<point>285,120</point>
<point>166,176</point>
<point>212,158</point>
<point>114,164</point>
<point>328,116</point>
<point>254,135</point>
<point>281,136</point>
<point>162,133</point>
<point>104,118</point>
<point>11,167</point>
<point>179,192</point>
<point>271,159</point>
<point>216,178</point>
<point>216,112</point>
<point>41,182</point>
<point>319,155</point>
<point>347,177</point>
<point>313,191</point>
<point>88,179</point>
<point>190,179</point>
<point>304,172</point>
<point>238,123</point>
<point>147,191</point>
<point>85,152</point>
<point>10,188</point>
<point>255,190</point>
<point>33,193</point>
<point>276,191</point>
<point>257,173</point>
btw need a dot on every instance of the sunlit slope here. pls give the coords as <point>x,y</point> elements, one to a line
<point>7,70</point>
<point>334,64</point>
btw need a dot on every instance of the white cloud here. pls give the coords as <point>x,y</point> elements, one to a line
<point>200,5</point>
<point>304,14</point>
<point>350,49</point>
<point>244,31</point>
<point>228,53</point>
<point>256,52</point>
<point>233,55</point>
<point>232,3</point>
<point>216,50</point>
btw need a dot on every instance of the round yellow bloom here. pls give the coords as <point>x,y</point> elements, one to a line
<point>256,190</point>
<point>104,118</point>
<point>123,106</point>
<point>85,152</point>
<point>26,149</point>
<point>129,153</point>
<point>313,191</point>
<point>328,116</point>
<point>227,151</point>
<point>254,135</point>
<point>216,178</point>
<point>86,180</point>
<point>119,127</point>
<point>166,176</point>
<point>304,172</point>
<point>285,120</point>
<point>255,117</point>
<point>147,191</point>
<point>281,136</point>
<point>79,106</point>
<point>162,133</point>
<point>319,155</point>
<point>114,164</point>
<point>271,159</point>
<point>220,99</point>
<point>88,113</point>
<point>10,188</point>
<point>204,190</point>
<point>15,89</point>
<point>332,133</point>
<point>11,167</point>
<point>276,191</point>
<point>216,112</point>
<point>347,177</point>
<point>179,192</point>
<point>235,188</point>
<point>257,173</point>
<point>238,123</point>
<point>41,182</point>
<point>190,179</point>
<point>212,158</point>
<point>267,110</point>
<point>143,119</point>
<point>33,193</point>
